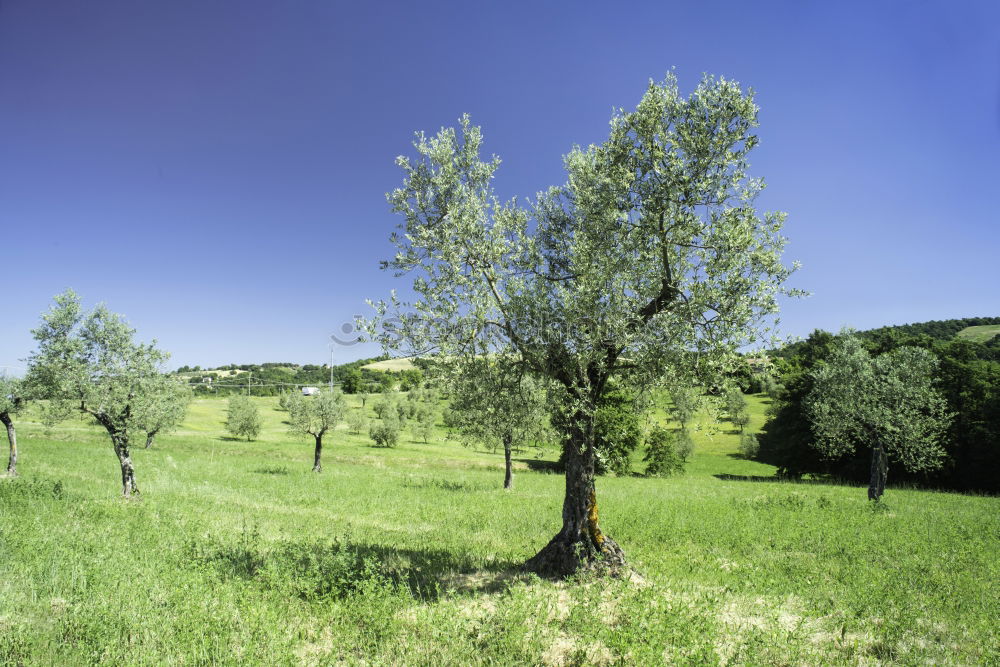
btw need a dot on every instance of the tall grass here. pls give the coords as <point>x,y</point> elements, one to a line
<point>237,553</point>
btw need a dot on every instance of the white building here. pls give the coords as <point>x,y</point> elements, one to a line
<point>310,391</point>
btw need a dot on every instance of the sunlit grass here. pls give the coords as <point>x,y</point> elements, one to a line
<point>237,553</point>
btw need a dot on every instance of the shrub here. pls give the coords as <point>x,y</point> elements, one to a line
<point>357,422</point>
<point>683,444</point>
<point>749,445</point>
<point>383,406</point>
<point>385,432</point>
<point>243,418</point>
<point>662,452</point>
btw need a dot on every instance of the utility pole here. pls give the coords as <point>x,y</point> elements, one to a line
<point>249,375</point>
<point>331,368</point>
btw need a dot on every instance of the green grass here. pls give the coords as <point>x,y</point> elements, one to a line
<point>237,553</point>
<point>980,334</point>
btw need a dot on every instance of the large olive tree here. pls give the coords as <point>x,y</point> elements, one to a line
<point>89,362</point>
<point>650,260</point>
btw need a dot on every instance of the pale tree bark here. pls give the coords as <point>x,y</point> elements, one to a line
<point>129,486</point>
<point>12,439</point>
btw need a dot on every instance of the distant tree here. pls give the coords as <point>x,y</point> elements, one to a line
<point>316,416</point>
<point>243,418</point>
<point>92,364</point>
<point>284,399</point>
<point>663,455</point>
<point>685,402</point>
<point>410,379</point>
<point>383,406</point>
<point>364,396</point>
<point>650,261</point>
<point>495,403</point>
<point>734,402</point>
<point>164,412</point>
<point>741,418</point>
<point>386,382</point>
<point>888,403</point>
<point>748,445</point>
<point>425,421</point>
<point>352,381</point>
<point>12,401</point>
<point>385,432</point>
<point>357,422</point>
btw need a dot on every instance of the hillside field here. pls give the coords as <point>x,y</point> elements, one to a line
<point>392,365</point>
<point>980,334</point>
<point>237,553</point>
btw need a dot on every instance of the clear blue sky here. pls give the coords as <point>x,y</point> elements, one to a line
<point>216,170</point>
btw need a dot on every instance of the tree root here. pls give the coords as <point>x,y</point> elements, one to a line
<point>561,558</point>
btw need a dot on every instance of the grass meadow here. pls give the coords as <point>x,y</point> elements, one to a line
<point>237,553</point>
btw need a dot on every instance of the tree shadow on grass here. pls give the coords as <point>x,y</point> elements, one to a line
<point>341,568</point>
<point>275,470</point>
<point>726,477</point>
<point>541,465</point>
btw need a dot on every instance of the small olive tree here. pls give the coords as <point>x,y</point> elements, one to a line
<point>496,404</point>
<point>90,363</point>
<point>316,416</point>
<point>385,432</point>
<point>12,401</point>
<point>165,412</point>
<point>888,403</point>
<point>684,405</point>
<point>651,260</point>
<point>243,418</point>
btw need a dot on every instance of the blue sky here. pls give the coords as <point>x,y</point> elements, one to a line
<point>216,170</point>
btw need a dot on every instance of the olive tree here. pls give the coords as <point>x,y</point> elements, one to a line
<point>651,259</point>
<point>888,403</point>
<point>90,362</point>
<point>165,412</point>
<point>315,416</point>
<point>12,401</point>
<point>242,417</point>
<point>495,403</point>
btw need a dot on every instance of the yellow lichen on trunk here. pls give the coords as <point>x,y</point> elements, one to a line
<point>593,528</point>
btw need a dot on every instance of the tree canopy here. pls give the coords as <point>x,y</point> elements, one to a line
<point>888,403</point>
<point>650,260</point>
<point>91,363</point>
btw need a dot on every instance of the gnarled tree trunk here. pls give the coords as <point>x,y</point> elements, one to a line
<point>508,478</point>
<point>319,452</point>
<point>12,438</point>
<point>879,472</point>
<point>580,544</point>
<point>129,485</point>
<point>149,439</point>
